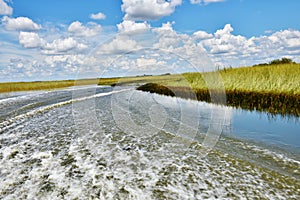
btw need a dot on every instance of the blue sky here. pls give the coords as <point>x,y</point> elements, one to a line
<point>58,39</point>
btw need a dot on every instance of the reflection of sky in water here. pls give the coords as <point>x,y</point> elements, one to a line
<point>259,127</point>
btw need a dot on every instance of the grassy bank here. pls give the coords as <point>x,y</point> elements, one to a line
<point>271,88</point>
<point>50,85</point>
<point>43,85</point>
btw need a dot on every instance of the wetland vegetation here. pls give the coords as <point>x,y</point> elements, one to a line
<point>273,87</point>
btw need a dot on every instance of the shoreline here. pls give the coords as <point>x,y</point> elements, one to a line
<point>43,85</point>
<point>273,103</point>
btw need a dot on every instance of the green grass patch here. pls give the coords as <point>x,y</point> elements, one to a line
<point>272,88</point>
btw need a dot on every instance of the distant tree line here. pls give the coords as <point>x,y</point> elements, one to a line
<point>277,62</point>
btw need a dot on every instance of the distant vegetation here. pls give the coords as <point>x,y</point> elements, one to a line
<point>277,62</point>
<point>50,85</point>
<point>43,85</point>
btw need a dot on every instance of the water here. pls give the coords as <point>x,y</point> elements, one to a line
<point>118,143</point>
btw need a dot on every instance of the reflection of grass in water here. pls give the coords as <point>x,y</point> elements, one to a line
<point>271,88</point>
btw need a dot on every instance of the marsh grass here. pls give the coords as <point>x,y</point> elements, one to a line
<point>284,78</point>
<point>43,85</point>
<point>271,88</point>
<point>136,80</point>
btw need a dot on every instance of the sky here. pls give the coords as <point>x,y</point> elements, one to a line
<point>71,39</point>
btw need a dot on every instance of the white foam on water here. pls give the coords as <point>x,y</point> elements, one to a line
<point>5,125</point>
<point>12,96</point>
<point>94,165</point>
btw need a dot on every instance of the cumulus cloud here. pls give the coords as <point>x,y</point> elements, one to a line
<point>151,64</point>
<point>82,31</point>
<point>287,38</point>
<point>227,48</point>
<point>126,52</point>
<point>146,62</point>
<point>224,45</point>
<point>42,67</point>
<point>168,38</point>
<point>98,16</point>
<point>131,27</point>
<point>119,45</point>
<point>202,35</point>
<point>165,28</point>
<point>69,61</point>
<point>63,46</point>
<point>205,1</point>
<point>148,9</point>
<point>225,31</point>
<point>30,40</point>
<point>5,9</point>
<point>20,24</point>
<point>58,46</point>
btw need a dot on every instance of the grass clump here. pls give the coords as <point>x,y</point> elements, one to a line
<point>156,88</point>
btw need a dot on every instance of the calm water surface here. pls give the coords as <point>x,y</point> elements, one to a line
<point>119,143</point>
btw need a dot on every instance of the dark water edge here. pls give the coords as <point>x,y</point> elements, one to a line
<point>284,104</point>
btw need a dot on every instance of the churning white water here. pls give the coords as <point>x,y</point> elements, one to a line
<point>105,143</point>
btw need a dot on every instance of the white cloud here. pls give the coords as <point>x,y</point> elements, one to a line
<point>146,62</point>
<point>202,35</point>
<point>225,31</point>
<point>148,9</point>
<point>224,42</point>
<point>166,28</point>
<point>65,60</point>
<point>82,31</point>
<point>60,46</point>
<point>30,40</point>
<point>119,45</point>
<point>139,65</point>
<point>287,38</point>
<point>236,50</point>
<point>168,38</point>
<point>268,31</point>
<point>42,67</point>
<point>20,24</point>
<point>205,1</point>
<point>131,27</point>
<point>57,46</point>
<point>49,55</point>
<point>98,16</point>
<point>5,9</point>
